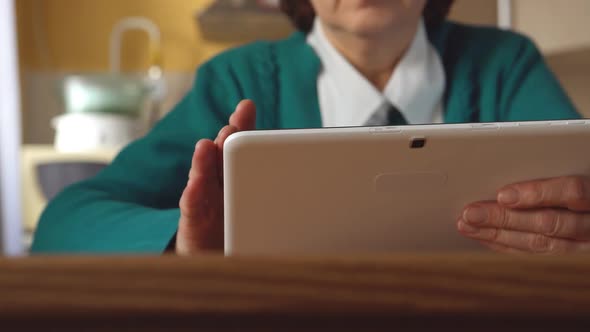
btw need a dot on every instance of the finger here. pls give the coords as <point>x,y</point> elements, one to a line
<point>502,249</point>
<point>529,242</point>
<point>220,133</point>
<point>557,223</point>
<point>204,160</point>
<point>200,226</point>
<point>571,192</point>
<point>224,133</point>
<point>203,171</point>
<point>244,117</point>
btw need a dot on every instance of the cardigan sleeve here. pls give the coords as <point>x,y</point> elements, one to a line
<point>132,205</point>
<point>530,90</point>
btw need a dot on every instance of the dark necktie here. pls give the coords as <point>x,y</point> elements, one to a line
<point>386,115</point>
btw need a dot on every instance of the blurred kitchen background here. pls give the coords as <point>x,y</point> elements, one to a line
<point>96,74</point>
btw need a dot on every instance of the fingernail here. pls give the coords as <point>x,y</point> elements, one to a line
<point>508,196</point>
<point>475,215</point>
<point>466,228</point>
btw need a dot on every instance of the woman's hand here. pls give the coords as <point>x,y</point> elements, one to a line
<point>545,216</point>
<point>201,206</point>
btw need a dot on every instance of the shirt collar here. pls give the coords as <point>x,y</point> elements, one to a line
<point>416,86</point>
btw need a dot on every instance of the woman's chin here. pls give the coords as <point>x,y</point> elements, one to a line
<point>369,27</point>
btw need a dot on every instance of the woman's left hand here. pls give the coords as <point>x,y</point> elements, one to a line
<point>545,217</point>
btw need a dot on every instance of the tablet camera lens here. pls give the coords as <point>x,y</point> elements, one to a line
<point>417,143</point>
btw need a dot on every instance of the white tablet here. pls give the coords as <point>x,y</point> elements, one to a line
<point>382,189</point>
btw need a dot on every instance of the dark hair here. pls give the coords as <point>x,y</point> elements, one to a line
<point>302,14</point>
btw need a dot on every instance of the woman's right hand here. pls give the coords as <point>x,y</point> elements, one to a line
<point>201,206</point>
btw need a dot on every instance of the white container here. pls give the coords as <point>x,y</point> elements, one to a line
<point>80,132</point>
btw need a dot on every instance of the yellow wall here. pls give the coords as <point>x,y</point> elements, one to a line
<point>73,35</point>
<point>556,26</point>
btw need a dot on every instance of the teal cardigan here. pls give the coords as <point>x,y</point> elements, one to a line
<point>132,206</point>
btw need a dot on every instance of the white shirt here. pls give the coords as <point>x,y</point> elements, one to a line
<point>347,98</point>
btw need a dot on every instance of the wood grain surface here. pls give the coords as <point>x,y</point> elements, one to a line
<point>213,293</point>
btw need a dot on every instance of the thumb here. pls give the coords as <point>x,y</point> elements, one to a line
<point>201,206</point>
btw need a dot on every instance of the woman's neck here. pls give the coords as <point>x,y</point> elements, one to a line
<point>374,56</point>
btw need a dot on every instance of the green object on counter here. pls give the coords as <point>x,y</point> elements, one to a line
<point>105,93</point>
